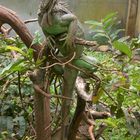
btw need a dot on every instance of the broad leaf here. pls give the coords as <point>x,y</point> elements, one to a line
<point>121,46</point>
<point>22,125</point>
<point>118,31</point>
<point>6,122</point>
<point>111,15</point>
<point>110,23</point>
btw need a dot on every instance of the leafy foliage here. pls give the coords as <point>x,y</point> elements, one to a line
<point>119,92</point>
<point>16,109</point>
<point>120,78</point>
<point>108,32</point>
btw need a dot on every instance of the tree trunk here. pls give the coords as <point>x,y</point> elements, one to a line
<point>42,108</point>
<point>131,17</point>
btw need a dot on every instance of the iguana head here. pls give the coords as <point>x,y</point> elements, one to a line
<point>46,7</point>
<point>48,4</point>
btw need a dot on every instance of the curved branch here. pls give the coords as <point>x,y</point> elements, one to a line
<point>82,97</point>
<point>41,104</point>
<point>9,17</point>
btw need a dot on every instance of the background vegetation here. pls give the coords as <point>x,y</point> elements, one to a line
<point>118,68</point>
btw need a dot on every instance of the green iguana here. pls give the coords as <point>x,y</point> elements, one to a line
<point>56,20</point>
<point>61,26</point>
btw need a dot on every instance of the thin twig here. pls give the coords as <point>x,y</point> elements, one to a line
<point>36,87</point>
<point>61,64</point>
<point>106,105</point>
<point>109,96</point>
<point>31,20</point>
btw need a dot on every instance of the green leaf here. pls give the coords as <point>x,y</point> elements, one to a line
<point>14,66</point>
<point>6,122</point>
<point>110,122</point>
<point>109,16</point>
<point>113,37</point>
<point>110,24</point>
<point>94,22</point>
<point>123,39</point>
<point>13,48</point>
<point>3,49</point>
<point>30,53</point>
<point>121,46</point>
<point>10,40</point>
<point>22,125</point>
<point>84,64</point>
<point>114,34</point>
<point>39,61</point>
<point>100,35</point>
<point>118,31</point>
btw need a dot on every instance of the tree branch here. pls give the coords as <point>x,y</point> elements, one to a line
<point>9,17</point>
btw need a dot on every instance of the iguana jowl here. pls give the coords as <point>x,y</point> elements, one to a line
<point>56,20</point>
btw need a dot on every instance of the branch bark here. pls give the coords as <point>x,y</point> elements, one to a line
<point>42,108</point>
<point>82,97</point>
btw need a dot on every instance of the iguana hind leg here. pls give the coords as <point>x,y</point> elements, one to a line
<point>70,76</point>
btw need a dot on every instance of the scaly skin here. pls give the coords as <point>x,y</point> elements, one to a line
<point>57,21</point>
